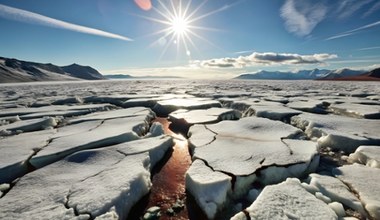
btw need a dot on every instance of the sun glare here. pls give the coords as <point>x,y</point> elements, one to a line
<point>179,25</point>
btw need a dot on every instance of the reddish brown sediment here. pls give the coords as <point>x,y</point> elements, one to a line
<point>169,181</point>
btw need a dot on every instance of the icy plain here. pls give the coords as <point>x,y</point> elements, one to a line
<point>259,149</point>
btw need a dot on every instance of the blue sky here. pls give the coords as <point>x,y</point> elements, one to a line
<point>226,38</point>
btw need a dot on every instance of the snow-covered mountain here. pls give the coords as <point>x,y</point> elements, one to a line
<point>13,70</point>
<point>335,74</point>
<point>373,75</point>
<point>302,74</point>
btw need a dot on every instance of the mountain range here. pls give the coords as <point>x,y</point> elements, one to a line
<point>302,74</point>
<point>13,70</point>
<point>125,76</point>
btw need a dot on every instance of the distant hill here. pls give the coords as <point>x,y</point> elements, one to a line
<point>373,75</point>
<point>82,72</point>
<point>277,75</point>
<point>13,70</point>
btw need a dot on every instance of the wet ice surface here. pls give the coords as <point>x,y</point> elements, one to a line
<point>259,149</point>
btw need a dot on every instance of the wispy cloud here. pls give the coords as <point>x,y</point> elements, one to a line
<point>354,31</point>
<point>265,59</point>
<point>16,14</point>
<point>373,9</point>
<point>244,52</point>
<point>301,17</point>
<point>369,48</point>
<point>346,8</point>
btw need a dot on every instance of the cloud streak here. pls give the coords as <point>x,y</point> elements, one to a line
<point>346,8</point>
<point>301,17</point>
<point>265,59</point>
<point>16,14</point>
<point>354,31</point>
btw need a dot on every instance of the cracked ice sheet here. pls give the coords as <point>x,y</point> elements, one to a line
<point>367,155</point>
<point>241,148</point>
<point>243,157</point>
<point>91,181</point>
<point>287,200</point>
<point>337,191</point>
<point>339,132</point>
<point>119,113</point>
<point>113,131</point>
<point>16,150</point>
<point>365,181</point>
<point>205,116</point>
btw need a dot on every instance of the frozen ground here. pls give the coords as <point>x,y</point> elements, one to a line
<point>259,149</point>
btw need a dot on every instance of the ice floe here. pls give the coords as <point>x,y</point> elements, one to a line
<point>204,116</point>
<point>339,132</point>
<point>287,200</point>
<point>337,191</point>
<point>17,150</point>
<point>28,125</point>
<point>211,188</point>
<point>365,182</point>
<point>367,155</point>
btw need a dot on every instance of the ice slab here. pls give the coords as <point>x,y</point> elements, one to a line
<point>287,200</point>
<point>279,112</point>
<point>95,182</point>
<point>119,113</point>
<point>339,132</point>
<point>17,150</point>
<point>279,99</point>
<point>313,106</point>
<point>337,191</point>
<point>367,155</point>
<point>249,128</point>
<point>109,132</point>
<point>365,182</point>
<point>209,188</point>
<point>164,107</point>
<point>53,108</point>
<point>147,102</point>
<point>28,125</point>
<point>357,110</point>
<point>204,116</point>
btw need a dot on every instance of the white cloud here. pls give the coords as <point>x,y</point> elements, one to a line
<point>265,59</point>
<point>301,17</point>
<point>34,18</point>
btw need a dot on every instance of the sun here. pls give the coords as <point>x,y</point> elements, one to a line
<point>179,26</point>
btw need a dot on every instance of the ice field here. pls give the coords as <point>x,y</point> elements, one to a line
<point>223,149</point>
